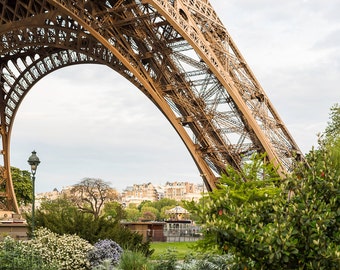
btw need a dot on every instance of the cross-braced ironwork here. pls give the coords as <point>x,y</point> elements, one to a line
<point>177,52</point>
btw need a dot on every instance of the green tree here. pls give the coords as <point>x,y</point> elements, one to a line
<point>267,223</point>
<point>22,184</point>
<point>132,214</point>
<point>149,213</point>
<point>161,206</point>
<point>114,210</point>
<point>332,131</point>
<point>144,203</point>
<point>163,202</point>
<point>226,203</point>
<point>163,215</point>
<point>61,216</point>
<point>330,141</point>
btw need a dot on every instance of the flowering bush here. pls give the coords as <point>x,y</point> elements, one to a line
<point>105,250</point>
<point>17,255</point>
<point>68,251</point>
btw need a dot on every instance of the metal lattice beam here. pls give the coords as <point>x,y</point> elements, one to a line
<point>177,52</point>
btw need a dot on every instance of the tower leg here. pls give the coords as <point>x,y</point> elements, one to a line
<point>8,199</point>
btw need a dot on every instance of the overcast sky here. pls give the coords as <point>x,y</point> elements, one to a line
<point>87,121</point>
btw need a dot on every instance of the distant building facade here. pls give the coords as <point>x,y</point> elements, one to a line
<point>138,193</point>
<point>183,191</point>
<point>172,190</point>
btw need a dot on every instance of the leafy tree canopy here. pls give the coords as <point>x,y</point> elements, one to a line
<point>332,131</point>
<point>114,210</point>
<point>133,214</point>
<point>22,184</point>
<point>268,223</point>
<point>289,224</point>
<point>149,213</point>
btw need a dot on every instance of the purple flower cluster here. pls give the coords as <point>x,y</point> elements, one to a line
<point>105,250</point>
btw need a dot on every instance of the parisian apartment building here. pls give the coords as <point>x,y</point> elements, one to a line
<point>172,190</point>
<point>138,193</point>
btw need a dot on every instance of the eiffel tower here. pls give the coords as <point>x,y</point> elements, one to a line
<point>177,52</point>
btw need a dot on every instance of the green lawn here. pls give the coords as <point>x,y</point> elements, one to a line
<point>181,249</point>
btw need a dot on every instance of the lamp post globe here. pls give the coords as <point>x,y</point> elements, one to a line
<point>33,161</point>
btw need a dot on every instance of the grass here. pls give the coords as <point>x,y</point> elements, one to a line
<point>181,249</point>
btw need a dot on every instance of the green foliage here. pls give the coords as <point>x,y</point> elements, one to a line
<point>22,184</point>
<point>152,210</point>
<point>132,214</point>
<point>148,210</point>
<point>134,261</point>
<point>329,142</point>
<point>270,224</point>
<point>332,131</point>
<point>163,215</point>
<point>163,203</point>
<point>62,216</point>
<point>19,256</point>
<point>114,210</point>
<point>207,262</point>
<point>105,265</point>
<point>314,211</point>
<point>143,203</point>
<point>167,261</point>
<point>149,213</point>
<point>133,241</point>
<point>335,157</point>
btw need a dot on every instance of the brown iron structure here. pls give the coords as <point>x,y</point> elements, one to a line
<point>177,52</point>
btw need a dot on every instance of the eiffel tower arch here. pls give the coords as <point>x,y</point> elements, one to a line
<point>177,52</point>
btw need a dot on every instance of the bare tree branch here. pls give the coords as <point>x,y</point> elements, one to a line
<point>91,194</point>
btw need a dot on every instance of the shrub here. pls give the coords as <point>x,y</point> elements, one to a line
<point>294,225</point>
<point>17,255</point>
<point>133,261</point>
<point>167,261</point>
<point>105,250</point>
<point>68,251</point>
<point>208,262</point>
<point>62,216</point>
<point>132,241</point>
<point>105,265</point>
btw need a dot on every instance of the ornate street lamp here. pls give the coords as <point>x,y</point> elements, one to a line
<point>33,161</point>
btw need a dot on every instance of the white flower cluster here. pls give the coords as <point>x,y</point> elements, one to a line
<point>69,252</point>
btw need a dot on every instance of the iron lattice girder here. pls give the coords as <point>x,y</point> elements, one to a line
<point>178,53</point>
<point>259,114</point>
